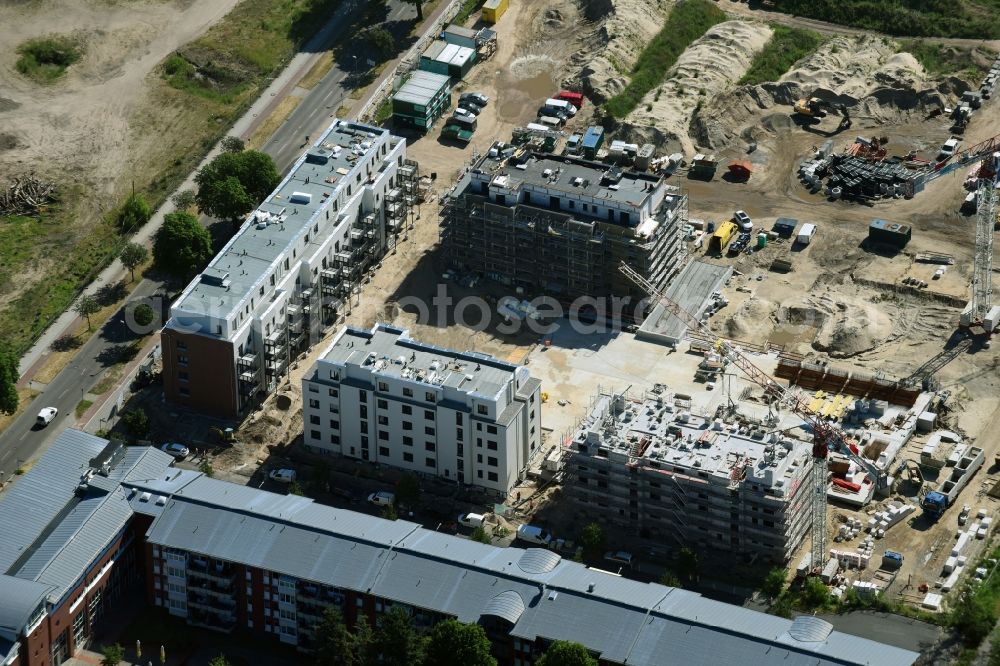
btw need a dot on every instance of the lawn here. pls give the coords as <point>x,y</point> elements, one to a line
<point>971,19</point>
<point>786,47</point>
<point>940,60</point>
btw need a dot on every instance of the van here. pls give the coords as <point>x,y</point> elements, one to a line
<point>463,122</point>
<point>806,233</point>
<point>622,557</point>
<point>532,534</point>
<point>551,122</point>
<point>282,475</point>
<point>562,105</point>
<point>382,498</point>
<point>471,519</point>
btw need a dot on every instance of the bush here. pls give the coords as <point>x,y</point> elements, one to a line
<point>786,47</point>
<point>133,214</point>
<point>688,21</point>
<point>46,59</point>
<point>940,60</point>
<point>136,422</point>
<point>971,19</point>
<point>143,314</point>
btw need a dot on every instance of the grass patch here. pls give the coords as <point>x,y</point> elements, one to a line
<point>273,121</point>
<point>469,7</point>
<point>24,397</point>
<point>316,73</point>
<point>940,60</point>
<point>46,59</point>
<point>384,111</point>
<point>82,407</point>
<point>786,47</point>
<point>971,19</point>
<point>688,21</point>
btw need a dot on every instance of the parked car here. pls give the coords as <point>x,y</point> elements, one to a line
<point>622,557</point>
<point>743,221</point>
<point>283,475</point>
<point>46,415</point>
<point>177,450</point>
<point>948,149</point>
<point>382,498</point>
<point>477,98</point>
<point>471,519</point>
<point>533,534</point>
<point>464,112</point>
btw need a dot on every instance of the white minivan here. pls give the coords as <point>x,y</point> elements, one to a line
<point>382,498</point>
<point>471,519</point>
<point>533,534</point>
<point>561,105</point>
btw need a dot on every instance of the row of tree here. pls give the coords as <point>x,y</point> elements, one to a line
<point>397,642</point>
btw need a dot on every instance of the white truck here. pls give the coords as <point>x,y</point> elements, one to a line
<point>806,234</point>
<point>536,535</point>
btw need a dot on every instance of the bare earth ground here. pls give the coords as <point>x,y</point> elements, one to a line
<point>100,122</point>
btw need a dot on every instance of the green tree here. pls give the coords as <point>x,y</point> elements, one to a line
<point>206,468</point>
<point>335,645</point>
<point>182,247</point>
<point>132,256</point>
<point>565,653</point>
<point>420,8</point>
<point>381,40</point>
<point>408,490</point>
<point>774,582</point>
<point>397,641</point>
<point>134,213</point>
<point>453,643</point>
<point>183,200</point>
<point>294,488</point>
<point>112,655</point>
<point>973,615</point>
<point>592,540</point>
<point>219,661</point>
<point>8,380</point>
<point>231,184</point>
<point>480,535</point>
<point>687,564</point>
<point>670,579</point>
<point>86,306</point>
<point>136,422</point>
<point>389,512</point>
<point>815,593</point>
<point>232,144</point>
<point>143,314</point>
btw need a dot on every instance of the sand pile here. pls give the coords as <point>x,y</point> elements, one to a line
<point>622,28</point>
<point>710,65</point>
<point>863,72</point>
<point>751,321</point>
<point>844,328</point>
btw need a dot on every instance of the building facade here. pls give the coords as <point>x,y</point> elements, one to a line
<point>288,273</point>
<point>653,467</point>
<point>562,226</point>
<point>384,397</point>
<point>421,100</point>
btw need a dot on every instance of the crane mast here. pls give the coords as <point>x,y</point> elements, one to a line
<point>982,274</point>
<point>826,436</point>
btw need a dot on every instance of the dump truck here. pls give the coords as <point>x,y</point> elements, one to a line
<point>936,502</point>
<point>457,133</point>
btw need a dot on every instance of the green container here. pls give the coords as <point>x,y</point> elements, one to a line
<point>761,240</point>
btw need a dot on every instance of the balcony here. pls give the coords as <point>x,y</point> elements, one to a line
<point>247,362</point>
<point>222,574</point>
<point>211,618</point>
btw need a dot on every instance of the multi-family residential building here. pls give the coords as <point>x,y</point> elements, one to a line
<point>244,561</point>
<point>287,274</point>
<point>561,225</point>
<point>384,397</point>
<point>654,467</point>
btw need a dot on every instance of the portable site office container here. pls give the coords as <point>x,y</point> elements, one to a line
<point>421,100</point>
<point>494,9</point>
<point>890,233</point>
<point>456,34</point>
<point>449,59</point>
<point>593,139</point>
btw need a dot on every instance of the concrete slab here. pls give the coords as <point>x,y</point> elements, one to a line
<point>692,290</point>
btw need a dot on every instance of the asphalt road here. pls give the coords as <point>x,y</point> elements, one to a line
<point>23,440</point>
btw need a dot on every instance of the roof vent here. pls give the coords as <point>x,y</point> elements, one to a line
<point>590,587</point>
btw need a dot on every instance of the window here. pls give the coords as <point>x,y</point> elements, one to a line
<point>459,434</point>
<point>479,458</point>
<point>184,392</point>
<point>407,409</point>
<point>313,404</point>
<point>408,392</point>
<point>314,419</point>
<point>333,393</point>
<point>481,409</point>
<point>479,442</point>
<point>382,386</point>
<point>407,425</point>
<point>479,426</point>
<point>458,418</point>
<point>461,465</point>
<point>491,429</point>
<point>334,409</point>
<point>532,415</point>
<point>314,434</point>
<point>429,396</point>
<point>181,346</point>
<point>383,404</point>
<point>407,457</point>
<point>363,412</point>
<point>335,439</point>
<point>383,451</point>
<point>491,461</point>
<point>182,359</point>
<point>461,450</point>
<point>430,462</point>
<point>364,441</point>
<point>429,446</point>
<point>491,445</point>
<point>313,388</point>
<point>335,424</point>
<point>429,415</point>
<point>383,435</point>
<point>383,420</point>
<point>429,431</point>
<point>492,476</point>
<point>183,376</point>
<point>407,440</point>
<point>479,473</point>
<point>362,395</point>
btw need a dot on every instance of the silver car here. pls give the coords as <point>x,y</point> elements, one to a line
<point>178,451</point>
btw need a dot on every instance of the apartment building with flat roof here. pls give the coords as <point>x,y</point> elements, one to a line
<point>381,396</point>
<point>652,466</point>
<point>287,274</point>
<point>561,225</point>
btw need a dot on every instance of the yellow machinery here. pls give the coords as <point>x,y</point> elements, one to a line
<point>811,108</point>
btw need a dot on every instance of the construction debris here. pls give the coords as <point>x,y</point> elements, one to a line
<point>26,195</point>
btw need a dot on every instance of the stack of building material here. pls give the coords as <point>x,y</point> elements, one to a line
<point>830,570</point>
<point>850,559</point>
<point>864,588</point>
<point>856,176</point>
<point>883,521</point>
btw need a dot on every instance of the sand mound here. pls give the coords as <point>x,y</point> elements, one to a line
<point>862,72</point>
<point>622,30</point>
<point>843,328</point>
<point>711,64</point>
<point>751,321</point>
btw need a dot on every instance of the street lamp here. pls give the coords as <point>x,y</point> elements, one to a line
<point>355,64</point>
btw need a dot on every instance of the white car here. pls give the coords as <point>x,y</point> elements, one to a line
<point>948,149</point>
<point>177,450</point>
<point>741,218</point>
<point>471,519</point>
<point>382,498</point>
<point>46,415</point>
<point>282,475</point>
<point>622,557</point>
<point>461,112</point>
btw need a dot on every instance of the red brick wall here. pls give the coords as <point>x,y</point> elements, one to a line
<point>210,369</point>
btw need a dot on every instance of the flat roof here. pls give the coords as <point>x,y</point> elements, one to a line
<point>692,289</point>
<point>391,352</point>
<point>280,219</point>
<point>452,54</point>
<point>422,87</point>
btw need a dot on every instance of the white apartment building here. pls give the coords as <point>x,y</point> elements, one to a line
<point>384,397</point>
<point>284,277</point>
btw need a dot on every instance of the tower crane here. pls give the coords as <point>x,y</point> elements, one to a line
<point>826,435</point>
<point>982,275</point>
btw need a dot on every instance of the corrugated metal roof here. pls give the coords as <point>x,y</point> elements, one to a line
<point>20,599</point>
<point>509,605</point>
<point>422,87</point>
<point>538,560</point>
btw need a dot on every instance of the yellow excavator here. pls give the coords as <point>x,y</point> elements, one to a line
<point>811,107</point>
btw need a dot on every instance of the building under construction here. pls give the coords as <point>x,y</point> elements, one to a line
<point>654,468</point>
<point>561,226</point>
